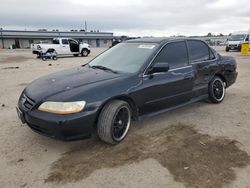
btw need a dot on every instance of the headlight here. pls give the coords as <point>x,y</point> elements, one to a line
<point>62,107</point>
<point>39,47</point>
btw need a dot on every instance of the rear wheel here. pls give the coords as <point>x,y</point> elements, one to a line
<point>114,122</point>
<point>216,90</point>
<point>38,56</point>
<point>85,52</point>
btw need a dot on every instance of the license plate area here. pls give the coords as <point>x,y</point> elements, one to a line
<point>20,115</point>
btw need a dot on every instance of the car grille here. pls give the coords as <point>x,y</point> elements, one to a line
<point>233,45</point>
<point>27,102</point>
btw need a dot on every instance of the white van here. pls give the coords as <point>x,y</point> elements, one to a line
<point>236,39</point>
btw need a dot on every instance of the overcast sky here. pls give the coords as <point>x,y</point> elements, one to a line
<point>129,17</point>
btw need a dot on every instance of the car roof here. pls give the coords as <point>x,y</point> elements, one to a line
<point>157,39</point>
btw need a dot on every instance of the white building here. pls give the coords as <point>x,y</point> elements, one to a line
<point>23,39</point>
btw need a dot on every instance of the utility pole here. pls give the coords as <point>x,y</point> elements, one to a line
<point>86,27</point>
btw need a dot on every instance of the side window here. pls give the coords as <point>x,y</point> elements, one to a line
<point>72,41</point>
<point>55,41</point>
<point>175,54</point>
<point>211,55</point>
<point>198,51</point>
<point>65,41</point>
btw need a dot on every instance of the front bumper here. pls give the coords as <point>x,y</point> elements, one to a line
<point>61,127</point>
<point>234,46</point>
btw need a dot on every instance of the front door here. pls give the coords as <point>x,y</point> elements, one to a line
<point>172,88</point>
<point>74,46</point>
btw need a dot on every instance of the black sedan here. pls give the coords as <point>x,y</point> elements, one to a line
<point>134,79</point>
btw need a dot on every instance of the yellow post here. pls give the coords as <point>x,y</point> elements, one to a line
<point>244,49</point>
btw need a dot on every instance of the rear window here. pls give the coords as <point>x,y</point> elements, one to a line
<point>198,51</point>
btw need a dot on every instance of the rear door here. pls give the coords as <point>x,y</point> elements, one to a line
<point>65,46</point>
<point>172,88</point>
<point>56,45</point>
<point>204,64</point>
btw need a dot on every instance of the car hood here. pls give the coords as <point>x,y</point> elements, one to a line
<point>53,84</point>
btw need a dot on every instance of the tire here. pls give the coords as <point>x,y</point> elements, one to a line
<point>216,90</point>
<point>239,48</point>
<point>114,122</point>
<point>38,56</point>
<point>227,49</point>
<point>44,58</point>
<point>54,57</point>
<point>75,55</point>
<point>85,52</point>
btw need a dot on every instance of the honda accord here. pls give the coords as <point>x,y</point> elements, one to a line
<point>134,79</point>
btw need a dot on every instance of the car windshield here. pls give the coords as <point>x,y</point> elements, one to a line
<point>124,57</point>
<point>237,37</point>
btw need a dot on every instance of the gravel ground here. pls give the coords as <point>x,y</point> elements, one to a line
<point>200,145</point>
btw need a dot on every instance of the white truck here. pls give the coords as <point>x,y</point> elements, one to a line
<point>62,46</point>
<point>236,39</point>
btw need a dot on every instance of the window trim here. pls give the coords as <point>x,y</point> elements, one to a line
<point>211,52</point>
<point>163,46</point>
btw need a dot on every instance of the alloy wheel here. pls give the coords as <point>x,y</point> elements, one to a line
<point>218,89</point>
<point>121,123</point>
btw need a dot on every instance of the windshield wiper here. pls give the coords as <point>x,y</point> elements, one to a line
<point>103,68</point>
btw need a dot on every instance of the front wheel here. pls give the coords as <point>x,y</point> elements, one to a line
<point>239,48</point>
<point>85,52</point>
<point>227,49</point>
<point>114,122</point>
<point>216,90</point>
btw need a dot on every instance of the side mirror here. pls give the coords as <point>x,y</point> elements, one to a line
<point>159,67</point>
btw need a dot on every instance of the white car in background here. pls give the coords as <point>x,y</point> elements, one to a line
<point>62,46</point>
<point>236,39</point>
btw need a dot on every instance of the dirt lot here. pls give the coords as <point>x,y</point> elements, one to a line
<point>200,145</point>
